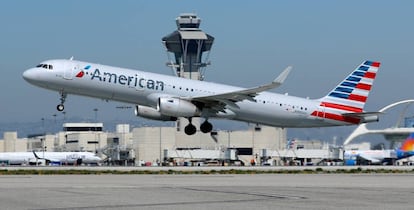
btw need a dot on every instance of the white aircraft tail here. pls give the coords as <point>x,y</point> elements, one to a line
<point>347,100</point>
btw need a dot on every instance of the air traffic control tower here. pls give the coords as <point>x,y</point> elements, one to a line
<point>190,47</point>
<point>188,44</point>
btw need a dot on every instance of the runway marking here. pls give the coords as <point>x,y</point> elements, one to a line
<point>246,193</point>
<point>259,197</point>
<point>156,204</point>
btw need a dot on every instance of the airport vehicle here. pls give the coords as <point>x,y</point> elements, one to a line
<point>355,157</point>
<point>55,158</point>
<point>162,97</point>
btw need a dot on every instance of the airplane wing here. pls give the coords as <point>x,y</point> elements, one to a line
<point>219,101</point>
<point>367,157</point>
<point>34,153</point>
<point>45,158</point>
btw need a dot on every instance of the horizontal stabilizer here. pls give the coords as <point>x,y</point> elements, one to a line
<point>364,116</point>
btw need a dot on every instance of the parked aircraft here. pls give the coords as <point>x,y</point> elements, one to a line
<point>381,156</point>
<point>34,158</point>
<point>162,97</point>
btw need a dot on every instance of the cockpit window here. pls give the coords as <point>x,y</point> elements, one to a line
<point>45,66</point>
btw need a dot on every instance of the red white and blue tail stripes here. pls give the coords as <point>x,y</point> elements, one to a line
<point>350,95</point>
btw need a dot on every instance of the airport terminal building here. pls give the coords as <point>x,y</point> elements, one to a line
<point>168,146</point>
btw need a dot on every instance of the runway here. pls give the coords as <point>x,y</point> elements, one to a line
<point>260,191</point>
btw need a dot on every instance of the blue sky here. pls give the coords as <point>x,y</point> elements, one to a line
<point>255,40</point>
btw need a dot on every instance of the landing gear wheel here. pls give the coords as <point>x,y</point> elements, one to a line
<point>190,129</point>
<point>60,107</point>
<point>206,127</point>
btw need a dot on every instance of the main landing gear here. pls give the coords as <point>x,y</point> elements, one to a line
<point>60,107</point>
<point>205,127</point>
<point>190,129</point>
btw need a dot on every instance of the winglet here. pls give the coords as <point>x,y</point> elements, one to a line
<point>36,155</point>
<point>282,76</point>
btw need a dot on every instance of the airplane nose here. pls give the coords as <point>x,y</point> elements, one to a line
<point>30,75</point>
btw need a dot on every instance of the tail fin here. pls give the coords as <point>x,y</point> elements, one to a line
<point>408,144</point>
<point>407,147</point>
<point>350,95</point>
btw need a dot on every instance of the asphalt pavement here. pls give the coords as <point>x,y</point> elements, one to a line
<point>233,191</point>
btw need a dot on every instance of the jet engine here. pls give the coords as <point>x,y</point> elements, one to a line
<point>151,113</point>
<point>177,107</point>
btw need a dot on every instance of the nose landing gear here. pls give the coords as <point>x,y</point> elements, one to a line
<point>60,107</point>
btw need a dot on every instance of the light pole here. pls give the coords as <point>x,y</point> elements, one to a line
<point>228,139</point>
<point>64,116</point>
<point>96,114</point>
<point>159,162</point>
<point>43,125</point>
<point>54,117</point>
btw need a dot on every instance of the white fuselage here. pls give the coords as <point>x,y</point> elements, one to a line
<point>144,88</point>
<point>18,158</point>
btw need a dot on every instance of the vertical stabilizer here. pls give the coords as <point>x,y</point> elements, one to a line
<point>352,93</point>
<point>407,147</point>
<point>345,103</point>
<point>408,144</point>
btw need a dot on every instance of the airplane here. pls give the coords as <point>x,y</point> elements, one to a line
<point>33,158</point>
<point>163,97</point>
<point>381,156</point>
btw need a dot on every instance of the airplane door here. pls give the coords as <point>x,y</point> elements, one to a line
<point>69,71</point>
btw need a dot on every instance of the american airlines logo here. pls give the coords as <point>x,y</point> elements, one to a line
<point>130,81</point>
<point>82,72</point>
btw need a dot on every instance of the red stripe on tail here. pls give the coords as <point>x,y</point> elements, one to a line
<point>370,75</point>
<point>376,64</point>
<point>357,98</point>
<point>363,86</point>
<point>341,107</point>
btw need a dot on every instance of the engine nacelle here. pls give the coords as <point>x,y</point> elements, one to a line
<point>151,113</point>
<point>177,107</point>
